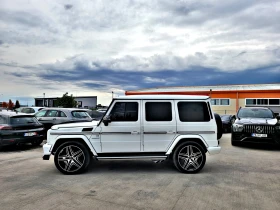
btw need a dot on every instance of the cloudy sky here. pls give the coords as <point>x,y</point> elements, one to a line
<point>98,46</point>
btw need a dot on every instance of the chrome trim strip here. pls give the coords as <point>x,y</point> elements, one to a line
<point>72,133</point>
<point>195,132</point>
<point>113,133</point>
<point>134,157</point>
<point>252,137</point>
<point>156,132</point>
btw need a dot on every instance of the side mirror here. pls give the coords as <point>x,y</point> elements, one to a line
<point>106,120</point>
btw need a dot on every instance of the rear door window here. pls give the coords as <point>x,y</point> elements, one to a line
<point>41,113</point>
<point>193,112</point>
<point>158,111</point>
<point>52,113</point>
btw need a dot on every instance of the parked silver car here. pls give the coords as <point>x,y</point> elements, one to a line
<point>53,116</point>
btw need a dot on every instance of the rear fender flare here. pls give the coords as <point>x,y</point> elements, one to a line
<point>191,137</point>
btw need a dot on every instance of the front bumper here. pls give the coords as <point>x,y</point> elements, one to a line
<point>47,151</point>
<point>247,137</point>
<point>214,150</point>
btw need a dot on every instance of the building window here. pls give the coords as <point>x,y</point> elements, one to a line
<point>251,101</point>
<point>215,101</point>
<point>263,102</point>
<point>221,102</point>
<point>274,101</point>
<point>224,101</point>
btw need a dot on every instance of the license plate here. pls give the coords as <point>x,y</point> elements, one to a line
<point>259,135</point>
<point>30,134</point>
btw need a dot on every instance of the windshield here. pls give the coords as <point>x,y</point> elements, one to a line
<point>96,114</point>
<point>80,114</point>
<point>22,120</point>
<point>225,117</point>
<point>255,113</point>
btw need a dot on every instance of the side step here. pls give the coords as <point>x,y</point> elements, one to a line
<point>137,155</point>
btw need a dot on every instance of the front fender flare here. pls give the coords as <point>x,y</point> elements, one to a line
<point>84,138</point>
<point>179,138</point>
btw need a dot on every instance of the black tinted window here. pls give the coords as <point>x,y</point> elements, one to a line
<point>158,111</point>
<point>193,112</point>
<point>125,111</point>
<point>22,120</point>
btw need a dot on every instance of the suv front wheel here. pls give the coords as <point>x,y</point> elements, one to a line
<point>72,158</point>
<point>189,157</point>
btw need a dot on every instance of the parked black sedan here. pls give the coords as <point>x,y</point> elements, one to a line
<point>19,128</point>
<point>227,120</point>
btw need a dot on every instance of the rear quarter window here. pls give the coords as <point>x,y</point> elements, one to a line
<point>80,114</point>
<point>193,112</point>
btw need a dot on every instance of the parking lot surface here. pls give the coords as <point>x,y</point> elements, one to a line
<point>246,177</point>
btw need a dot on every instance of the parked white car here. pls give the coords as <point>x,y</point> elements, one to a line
<point>155,127</point>
<point>31,110</point>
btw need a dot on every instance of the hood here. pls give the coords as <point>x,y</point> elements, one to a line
<point>260,121</point>
<point>73,125</point>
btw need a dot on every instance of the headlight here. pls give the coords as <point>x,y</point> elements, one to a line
<point>237,128</point>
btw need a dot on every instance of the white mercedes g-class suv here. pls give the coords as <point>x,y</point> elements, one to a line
<point>182,128</point>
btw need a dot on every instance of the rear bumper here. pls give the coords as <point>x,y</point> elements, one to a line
<point>214,150</point>
<point>47,151</point>
<point>23,140</point>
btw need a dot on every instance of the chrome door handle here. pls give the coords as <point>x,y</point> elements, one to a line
<point>54,118</point>
<point>134,132</point>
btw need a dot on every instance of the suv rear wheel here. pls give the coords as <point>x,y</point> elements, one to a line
<point>189,157</point>
<point>72,158</point>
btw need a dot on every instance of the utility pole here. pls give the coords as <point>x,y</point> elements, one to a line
<point>112,94</point>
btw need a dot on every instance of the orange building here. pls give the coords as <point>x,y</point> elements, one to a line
<point>226,99</point>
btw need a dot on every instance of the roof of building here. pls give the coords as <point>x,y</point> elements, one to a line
<point>60,97</point>
<point>162,97</point>
<point>275,86</point>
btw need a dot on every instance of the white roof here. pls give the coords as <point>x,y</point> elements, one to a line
<point>213,88</point>
<point>162,97</point>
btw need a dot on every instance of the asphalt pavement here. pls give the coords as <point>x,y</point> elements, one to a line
<point>246,177</point>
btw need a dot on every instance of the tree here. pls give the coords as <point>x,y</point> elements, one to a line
<point>10,105</point>
<point>17,105</point>
<point>66,101</point>
<point>4,105</point>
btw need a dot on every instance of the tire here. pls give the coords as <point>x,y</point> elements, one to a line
<point>37,142</point>
<point>72,158</point>
<point>219,124</point>
<point>234,143</point>
<point>189,157</point>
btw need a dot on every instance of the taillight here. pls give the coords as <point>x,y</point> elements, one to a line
<point>5,127</point>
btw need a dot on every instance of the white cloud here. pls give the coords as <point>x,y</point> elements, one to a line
<point>133,35</point>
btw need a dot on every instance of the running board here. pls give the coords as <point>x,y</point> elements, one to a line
<point>133,157</point>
